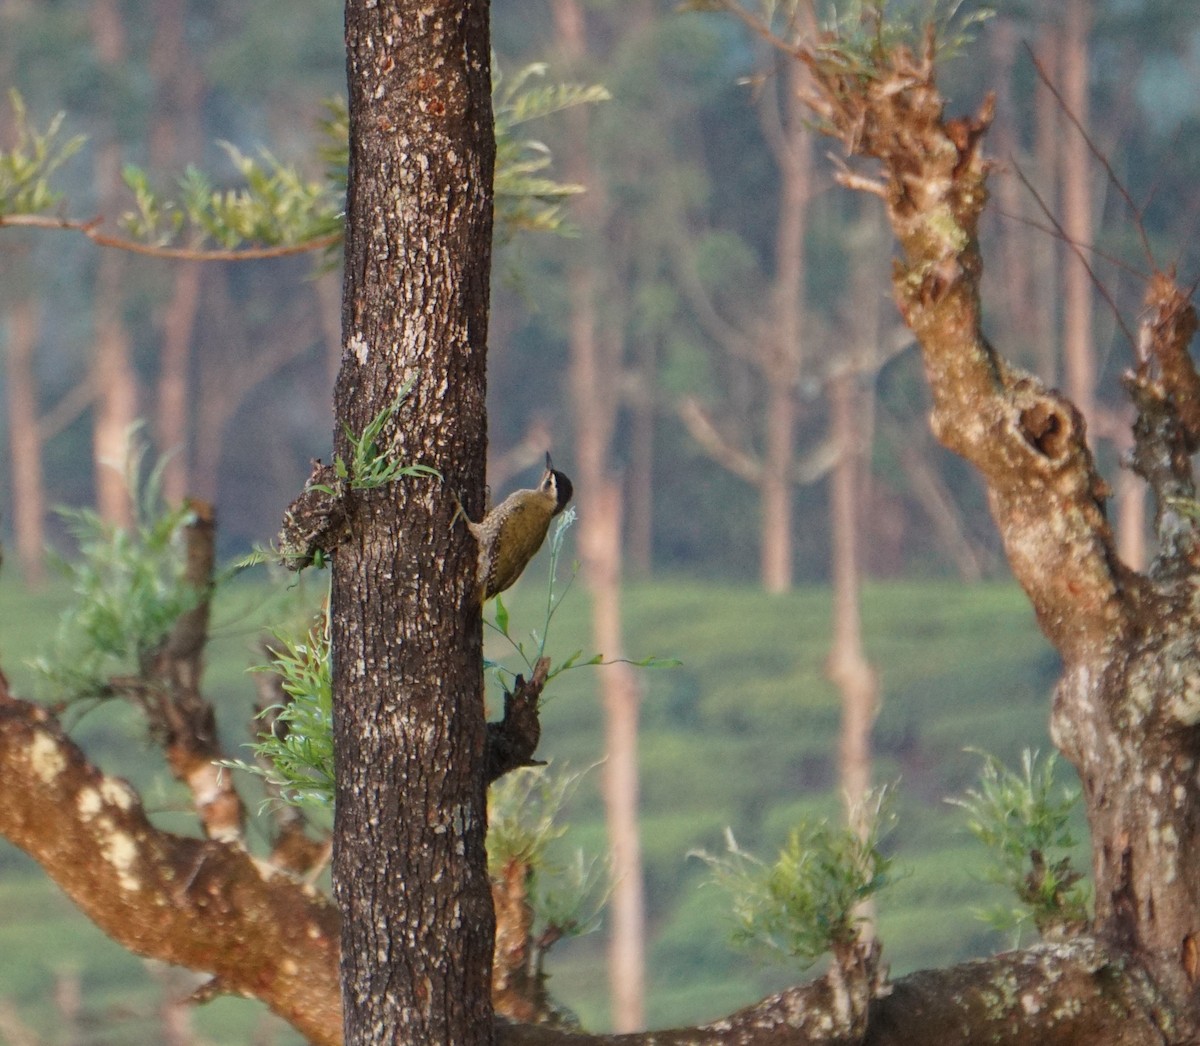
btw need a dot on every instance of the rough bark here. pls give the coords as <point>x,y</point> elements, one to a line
<point>410,871</point>
<point>1075,994</point>
<point>512,741</point>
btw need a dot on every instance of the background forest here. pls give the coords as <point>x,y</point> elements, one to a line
<point>743,300</point>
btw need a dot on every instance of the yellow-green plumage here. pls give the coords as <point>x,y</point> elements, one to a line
<point>512,532</point>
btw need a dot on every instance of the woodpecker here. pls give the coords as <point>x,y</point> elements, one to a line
<point>510,534</point>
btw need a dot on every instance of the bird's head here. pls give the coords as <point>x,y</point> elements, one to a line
<point>557,484</point>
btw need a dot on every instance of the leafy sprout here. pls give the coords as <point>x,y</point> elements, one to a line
<point>526,198</point>
<point>26,168</point>
<point>807,902</point>
<point>371,464</point>
<point>274,206</point>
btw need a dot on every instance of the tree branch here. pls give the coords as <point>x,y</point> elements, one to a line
<point>1058,994</point>
<point>1166,391</point>
<point>512,741</point>
<point>1028,442</point>
<point>199,903</point>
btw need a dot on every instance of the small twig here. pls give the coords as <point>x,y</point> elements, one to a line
<point>1097,153</point>
<point>1050,230</point>
<point>853,180</point>
<point>1077,250</point>
<point>90,229</point>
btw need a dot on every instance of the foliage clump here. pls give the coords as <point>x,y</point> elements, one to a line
<point>525,821</point>
<point>295,757</point>
<point>1023,818</point>
<point>130,587</point>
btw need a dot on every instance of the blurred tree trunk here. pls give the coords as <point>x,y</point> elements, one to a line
<point>789,137</point>
<point>28,499</point>
<point>1045,249</point>
<point>1013,235</point>
<point>234,361</point>
<point>175,395</point>
<point>1079,219</point>
<point>1129,492</point>
<point>409,865</point>
<point>115,408</point>
<point>640,525</point>
<point>1079,352</point>
<point>848,667</point>
<point>176,139</point>
<point>28,496</point>
<point>595,370</point>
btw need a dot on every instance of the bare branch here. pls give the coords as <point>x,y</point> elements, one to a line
<point>701,428</point>
<point>1029,442</point>
<point>179,714</point>
<point>512,741</point>
<point>91,229</point>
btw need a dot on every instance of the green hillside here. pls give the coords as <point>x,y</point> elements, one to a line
<point>743,734</point>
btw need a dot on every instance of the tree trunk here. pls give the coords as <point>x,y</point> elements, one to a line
<point>848,666</point>
<point>25,441</point>
<point>410,871</point>
<point>600,548</point>
<point>115,408</point>
<point>775,493</point>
